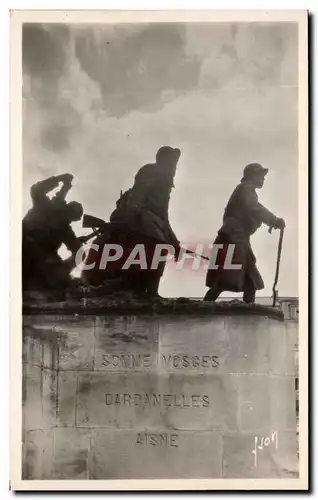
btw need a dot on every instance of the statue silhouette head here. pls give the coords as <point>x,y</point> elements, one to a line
<point>255,174</point>
<point>75,211</point>
<point>167,155</point>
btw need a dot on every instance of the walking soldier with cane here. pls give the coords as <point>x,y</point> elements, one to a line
<point>242,217</point>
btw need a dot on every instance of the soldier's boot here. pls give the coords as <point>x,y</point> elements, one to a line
<point>153,284</point>
<point>249,294</point>
<point>213,293</point>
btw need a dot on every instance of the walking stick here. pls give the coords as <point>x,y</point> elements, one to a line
<point>280,244</point>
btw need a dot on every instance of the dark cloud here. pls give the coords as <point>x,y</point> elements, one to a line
<point>254,54</point>
<point>45,61</point>
<point>134,68</point>
<point>44,57</point>
<point>266,53</point>
<point>99,100</point>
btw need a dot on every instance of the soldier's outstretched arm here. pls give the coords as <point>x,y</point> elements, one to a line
<point>250,200</point>
<point>64,178</point>
<point>171,237</point>
<point>67,184</point>
<point>42,188</point>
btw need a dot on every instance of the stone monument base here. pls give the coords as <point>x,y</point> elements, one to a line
<point>182,391</point>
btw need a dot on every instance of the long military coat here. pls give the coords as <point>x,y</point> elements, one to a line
<point>243,215</point>
<point>147,204</point>
<point>141,217</point>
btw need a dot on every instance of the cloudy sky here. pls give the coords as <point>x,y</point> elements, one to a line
<point>100,100</point>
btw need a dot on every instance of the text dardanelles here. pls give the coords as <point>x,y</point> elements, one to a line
<point>157,399</point>
<point>115,256</point>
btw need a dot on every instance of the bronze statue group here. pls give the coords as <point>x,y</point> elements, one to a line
<point>140,217</point>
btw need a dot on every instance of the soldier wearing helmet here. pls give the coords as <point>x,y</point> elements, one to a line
<point>243,215</point>
<point>45,227</point>
<point>141,217</point>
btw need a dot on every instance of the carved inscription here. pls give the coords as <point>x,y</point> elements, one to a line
<point>168,361</point>
<point>162,400</point>
<point>186,361</point>
<point>128,360</point>
<point>158,400</point>
<point>161,440</point>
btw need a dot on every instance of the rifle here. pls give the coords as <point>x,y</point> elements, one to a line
<point>197,255</point>
<point>98,225</point>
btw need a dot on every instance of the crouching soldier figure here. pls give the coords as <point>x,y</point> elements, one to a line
<point>242,217</point>
<point>45,227</point>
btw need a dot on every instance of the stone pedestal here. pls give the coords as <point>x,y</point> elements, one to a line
<point>126,396</point>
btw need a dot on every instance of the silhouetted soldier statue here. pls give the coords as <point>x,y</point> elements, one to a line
<point>45,227</point>
<point>242,217</point>
<point>141,217</point>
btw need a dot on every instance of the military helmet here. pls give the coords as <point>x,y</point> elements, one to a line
<point>253,169</point>
<point>75,210</point>
<point>165,151</point>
